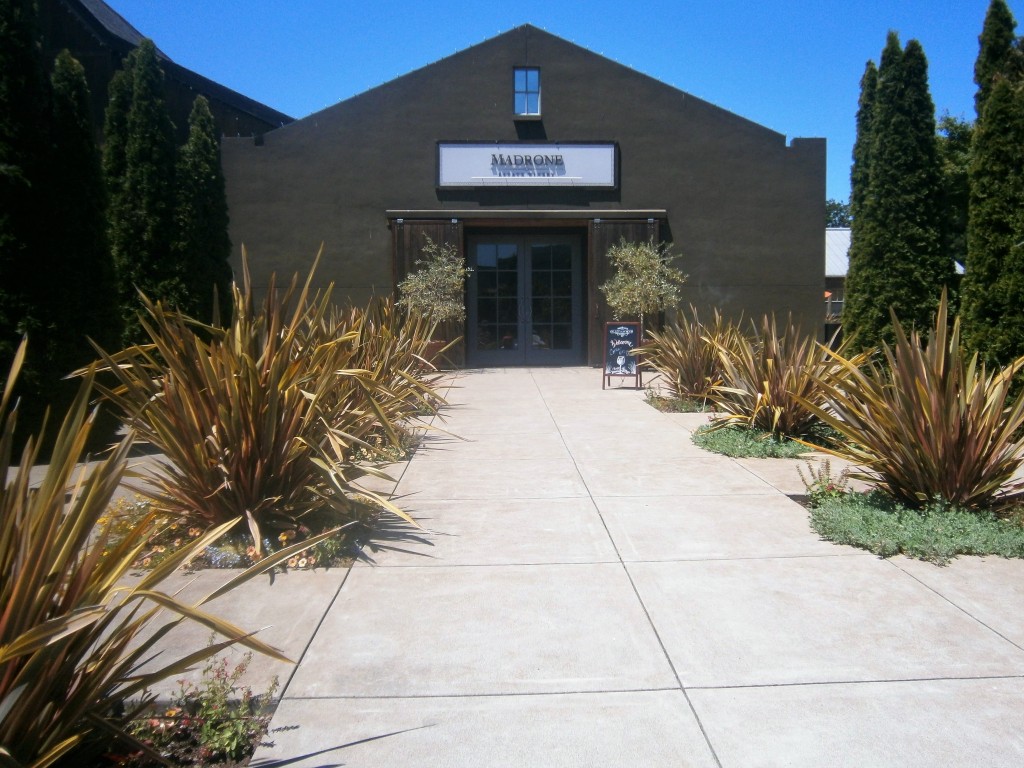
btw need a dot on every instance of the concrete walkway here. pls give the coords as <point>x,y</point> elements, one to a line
<point>592,589</point>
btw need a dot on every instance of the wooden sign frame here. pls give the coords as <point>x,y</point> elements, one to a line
<point>619,340</point>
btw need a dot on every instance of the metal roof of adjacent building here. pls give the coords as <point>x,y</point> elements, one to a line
<point>114,22</point>
<point>113,30</point>
<point>837,251</point>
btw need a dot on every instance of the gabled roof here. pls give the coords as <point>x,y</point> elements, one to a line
<point>523,38</point>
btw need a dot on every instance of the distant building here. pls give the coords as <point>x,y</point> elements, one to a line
<point>532,156</point>
<point>837,262</point>
<point>100,39</point>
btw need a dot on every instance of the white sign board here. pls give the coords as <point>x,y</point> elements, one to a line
<point>526,165</point>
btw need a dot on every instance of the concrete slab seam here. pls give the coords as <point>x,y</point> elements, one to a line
<point>313,634</point>
<point>877,681</point>
<point>455,566</point>
<point>726,559</point>
<point>643,606</point>
<point>489,695</point>
<point>958,607</point>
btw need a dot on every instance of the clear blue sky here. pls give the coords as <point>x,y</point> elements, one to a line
<point>792,66</point>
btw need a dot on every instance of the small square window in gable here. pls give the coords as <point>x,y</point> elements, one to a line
<point>527,91</point>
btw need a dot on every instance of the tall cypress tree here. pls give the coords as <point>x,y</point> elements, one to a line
<point>932,267</point>
<point>859,272</point>
<point>23,135</point>
<point>1009,343</point>
<point>995,46</point>
<point>993,291</point>
<point>201,216</point>
<point>954,151</point>
<point>115,141</point>
<point>83,292</point>
<point>899,262</point>
<point>860,172</point>
<point>141,216</point>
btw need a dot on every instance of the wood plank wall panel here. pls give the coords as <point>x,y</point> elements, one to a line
<point>409,236</point>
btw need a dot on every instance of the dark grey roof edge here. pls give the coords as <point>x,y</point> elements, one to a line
<point>112,21</point>
<point>117,27</point>
<point>225,95</point>
<point>530,29</point>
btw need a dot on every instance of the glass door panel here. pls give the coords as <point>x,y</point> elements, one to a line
<point>494,304</point>
<point>525,300</point>
<point>552,296</point>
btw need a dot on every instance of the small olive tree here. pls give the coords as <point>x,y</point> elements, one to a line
<point>645,281</point>
<point>436,289</point>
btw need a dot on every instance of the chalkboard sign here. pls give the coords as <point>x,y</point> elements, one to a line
<point>619,340</point>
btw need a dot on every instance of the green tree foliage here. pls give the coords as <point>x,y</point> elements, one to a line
<point>54,265</point>
<point>993,292</point>
<point>436,289</point>
<point>860,176</point>
<point>139,163</point>
<point>996,46</point>
<point>23,108</point>
<point>896,260</point>
<point>860,172</point>
<point>55,270</point>
<point>645,281</point>
<point>837,213</point>
<point>202,245</point>
<point>954,152</point>
<point>115,133</point>
<point>82,295</point>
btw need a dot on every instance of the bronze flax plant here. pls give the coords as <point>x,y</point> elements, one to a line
<point>928,422</point>
<point>251,418</point>
<point>685,352</point>
<point>770,380</point>
<point>389,345</point>
<point>74,632</point>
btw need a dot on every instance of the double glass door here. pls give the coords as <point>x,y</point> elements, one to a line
<point>525,300</point>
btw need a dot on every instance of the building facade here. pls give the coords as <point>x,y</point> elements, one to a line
<point>532,156</point>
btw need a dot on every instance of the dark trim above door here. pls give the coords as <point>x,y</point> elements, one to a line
<point>511,216</point>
